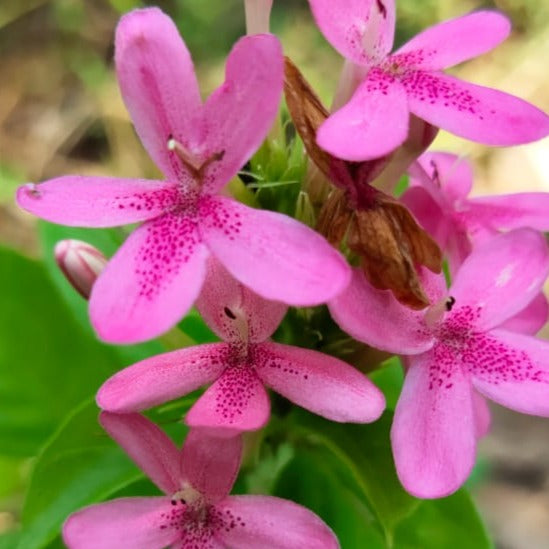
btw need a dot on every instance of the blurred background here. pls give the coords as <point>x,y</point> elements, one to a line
<point>60,112</point>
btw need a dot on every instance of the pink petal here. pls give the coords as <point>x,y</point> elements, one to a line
<point>378,319</point>
<point>238,115</point>
<point>457,250</point>
<point>263,521</point>
<point>228,307</point>
<point>158,84</point>
<point>236,402</point>
<point>151,281</point>
<point>452,173</point>
<point>274,255</point>
<point>482,415</point>
<point>320,383</point>
<point>148,446</point>
<point>433,433</point>
<point>456,40</point>
<point>513,370</point>
<point>511,211</point>
<point>372,124</point>
<point>531,319</point>
<point>477,113</point>
<point>139,523</point>
<point>164,377</point>
<point>211,464</point>
<point>97,201</point>
<point>500,278</point>
<point>360,30</point>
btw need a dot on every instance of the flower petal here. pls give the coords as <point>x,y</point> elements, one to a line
<point>227,306</point>
<point>531,319</point>
<point>500,278</point>
<point>261,249</point>
<point>433,433</point>
<point>158,84</point>
<point>211,464</point>
<point>263,521</point>
<point>148,446</point>
<point>456,40</point>
<point>372,124</point>
<point>513,370</point>
<point>161,378</point>
<point>125,522</point>
<point>477,113</point>
<point>482,415</point>
<point>236,402</point>
<point>96,201</point>
<point>150,282</point>
<point>360,30</point>
<point>378,319</point>
<point>238,115</point>
<point>452,174</point>
<point>320,383</point>
<point>510,211</point>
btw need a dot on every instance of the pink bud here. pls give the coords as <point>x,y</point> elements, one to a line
<point>81,264</point>
<point>258,13</point>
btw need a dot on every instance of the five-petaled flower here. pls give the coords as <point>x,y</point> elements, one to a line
<point>157,274</point>
<point>375,120</point>
<point>196,510</point>
<point>456,346</point>
<point>239,368</point>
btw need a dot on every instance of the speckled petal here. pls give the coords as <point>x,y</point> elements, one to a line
<point>531,319</point>
<point>211,464</point>
<point>126,522</point>
<point>372,124</point>
<point>378,319</point>
<point>477,113</point>
<point>97,201</point>
<point>434,432</point>
<point>454,41</point>
<point>236,402</point>
<point>164,377</point>
<point>263,521</point>
<point>151,281</point>
<point>158,84</point>
<point>513,370</point>
<point>228,307</point>
<point>148,446</point>
<point>238,115</point>
<point>360,30</point>
<point>320,383</point>
<point>500,278</point>
<point>273,254</point>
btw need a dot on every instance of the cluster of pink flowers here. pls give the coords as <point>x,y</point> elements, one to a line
<point>242,267</point>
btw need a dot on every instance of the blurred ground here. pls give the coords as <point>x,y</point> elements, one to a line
<point>60,112</point>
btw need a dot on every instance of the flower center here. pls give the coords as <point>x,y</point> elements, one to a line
<point>434,314</point>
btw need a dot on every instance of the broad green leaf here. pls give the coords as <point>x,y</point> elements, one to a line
<point>389,378</point>
<point>48,365</point>
<point>440,523</point>
<point>315,478</point>
<point>80,465</point>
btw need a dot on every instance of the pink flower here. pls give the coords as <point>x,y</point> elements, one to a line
<point>157,274</point>
<point>375,120</point>
<point>196,510</point>
<point>240,366</point>
<point>81,264</point>
<point>455,347</point>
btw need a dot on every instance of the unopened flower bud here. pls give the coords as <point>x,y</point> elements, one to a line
<point>81,264</point>
<point>258,13</point>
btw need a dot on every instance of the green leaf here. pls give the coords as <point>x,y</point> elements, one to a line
<point>447,522</point>
<point>48,365</point>
<point>80,465</point>
<point>315,478</point>
<point>389,378</point>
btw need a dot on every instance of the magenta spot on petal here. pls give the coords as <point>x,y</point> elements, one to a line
<point>215,216</point>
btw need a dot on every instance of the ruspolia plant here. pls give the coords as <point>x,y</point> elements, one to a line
<point>243,267</point>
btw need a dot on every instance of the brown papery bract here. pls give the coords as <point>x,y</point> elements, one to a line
<point>375,226</point>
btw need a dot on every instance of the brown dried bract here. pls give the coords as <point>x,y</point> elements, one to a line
<point>374,225</point>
